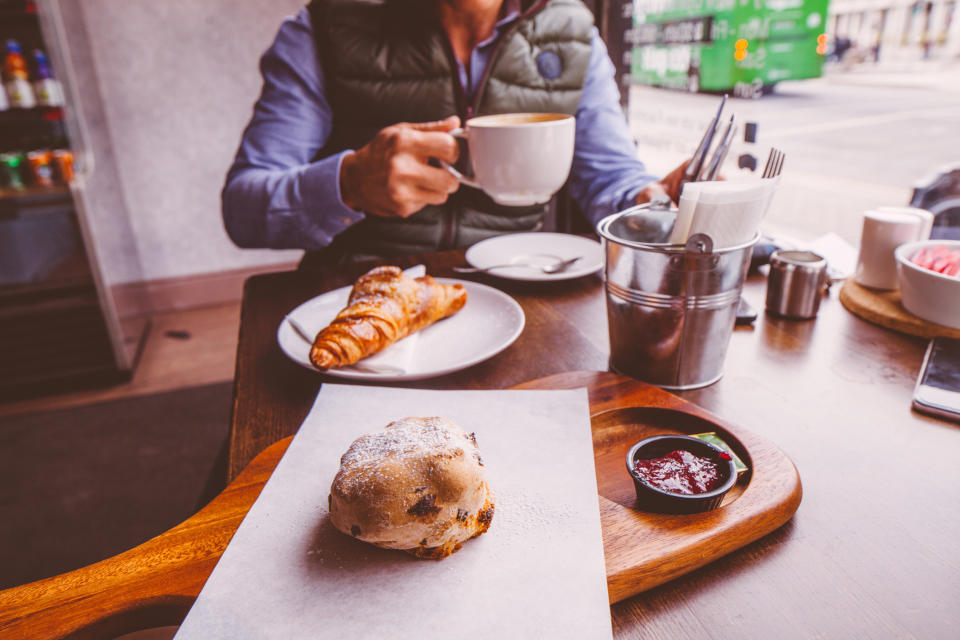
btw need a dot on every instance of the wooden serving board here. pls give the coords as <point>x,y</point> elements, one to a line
<point>155,583</point>
<point>642,549</point>
<point>885,309</point>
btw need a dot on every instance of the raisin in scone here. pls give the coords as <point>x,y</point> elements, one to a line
<point>419,485</point>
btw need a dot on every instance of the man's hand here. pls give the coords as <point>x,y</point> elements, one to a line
<point>391,176</point>
<point>669,186</point>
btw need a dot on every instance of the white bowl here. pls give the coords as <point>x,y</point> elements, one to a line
<point>925,293</point>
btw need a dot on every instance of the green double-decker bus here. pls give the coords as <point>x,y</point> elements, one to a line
<point>743,46</point>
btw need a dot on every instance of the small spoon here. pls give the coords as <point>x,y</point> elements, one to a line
<point>556,267</point>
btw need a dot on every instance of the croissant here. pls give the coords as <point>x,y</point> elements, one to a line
<point>384,306</point>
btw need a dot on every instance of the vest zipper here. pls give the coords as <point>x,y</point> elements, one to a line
<point>485,77</point>
<point>449,232</point>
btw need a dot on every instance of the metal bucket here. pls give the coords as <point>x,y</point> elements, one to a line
<point>670,308</point>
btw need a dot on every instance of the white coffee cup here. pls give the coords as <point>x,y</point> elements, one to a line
<point>885,229</point>
<point>518,159</point>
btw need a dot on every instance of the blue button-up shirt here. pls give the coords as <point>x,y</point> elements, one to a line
<point>276,196</point>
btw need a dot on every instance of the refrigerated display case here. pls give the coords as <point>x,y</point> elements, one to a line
<point>59,329</point>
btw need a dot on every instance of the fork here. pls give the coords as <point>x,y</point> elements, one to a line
<point>774,163</point>
<point>555,267</point>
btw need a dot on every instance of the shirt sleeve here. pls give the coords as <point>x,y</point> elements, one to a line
<point>606,174</point>
<point>275,196</point>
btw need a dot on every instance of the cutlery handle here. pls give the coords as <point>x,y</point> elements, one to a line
<point>712,168</point>
<point>485,269</point>
<point>699,156</point>
<point>470,182</point>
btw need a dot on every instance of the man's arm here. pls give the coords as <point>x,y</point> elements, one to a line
<point>275,196</point>
<point>606,176</point>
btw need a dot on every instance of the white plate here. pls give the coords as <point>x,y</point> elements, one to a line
<point>486,325</point>
<point>540,249</point>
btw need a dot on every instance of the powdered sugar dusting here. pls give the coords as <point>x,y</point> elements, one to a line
<point>403,437</point>
<point>524,515</point>
<point>402,441</point>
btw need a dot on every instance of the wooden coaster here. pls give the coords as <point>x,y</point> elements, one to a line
<point>884,308</point>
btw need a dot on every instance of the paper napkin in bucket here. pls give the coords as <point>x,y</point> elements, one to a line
<point>688,203</point>
<point>729,212</point>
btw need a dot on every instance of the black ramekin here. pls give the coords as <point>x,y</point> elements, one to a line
<point>653,499</point>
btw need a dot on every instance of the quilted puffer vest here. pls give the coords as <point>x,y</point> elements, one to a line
<point>389,61</point>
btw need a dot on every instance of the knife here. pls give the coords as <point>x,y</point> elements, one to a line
<point>696,161</point>
<point>720,153</point>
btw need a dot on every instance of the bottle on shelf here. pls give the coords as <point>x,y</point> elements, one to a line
<point>41,167</point>
<point>15,78</point>
<point>47,89</point>
<point>11,168</point>
<point>53,134</point>
<point>19,7</point>
<point>63,160</point>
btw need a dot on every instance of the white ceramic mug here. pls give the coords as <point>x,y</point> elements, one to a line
<point>518,159</point>
<point>885,229</point>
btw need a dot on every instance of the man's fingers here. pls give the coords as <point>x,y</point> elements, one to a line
<point>414,184</point>
<point>649,192</point>
<point>392,175</point>
<point>430,196</point>
<point>430,144</point>
<point>411,199</point>
<point>423,140</point>
<point>410,170</point>
<point>447,124</point>
<point>672,181</point>
<point>439,180</point>
<point>430,139</point>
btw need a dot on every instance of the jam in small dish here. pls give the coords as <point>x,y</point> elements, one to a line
<point>680,474</point>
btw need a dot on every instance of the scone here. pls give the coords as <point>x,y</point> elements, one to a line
<point>419,485</point>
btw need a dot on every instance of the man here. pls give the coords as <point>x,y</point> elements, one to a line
<point>359,97</point>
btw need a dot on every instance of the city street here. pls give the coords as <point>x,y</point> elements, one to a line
<point>854,139</point>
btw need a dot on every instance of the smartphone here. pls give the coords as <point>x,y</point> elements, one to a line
<point>745,313</point>
<point>938,386</point>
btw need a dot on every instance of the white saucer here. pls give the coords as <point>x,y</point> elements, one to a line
<point>488,323</point>
<point>537,248</point>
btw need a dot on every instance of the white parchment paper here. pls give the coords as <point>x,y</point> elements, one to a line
<point>537,573</point>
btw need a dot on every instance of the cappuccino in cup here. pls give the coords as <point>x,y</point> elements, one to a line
<point>518,159</point>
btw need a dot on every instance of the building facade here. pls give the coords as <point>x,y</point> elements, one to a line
<point>897,30</point>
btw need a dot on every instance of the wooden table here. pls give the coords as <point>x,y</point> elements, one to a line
<point>872,550</point>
